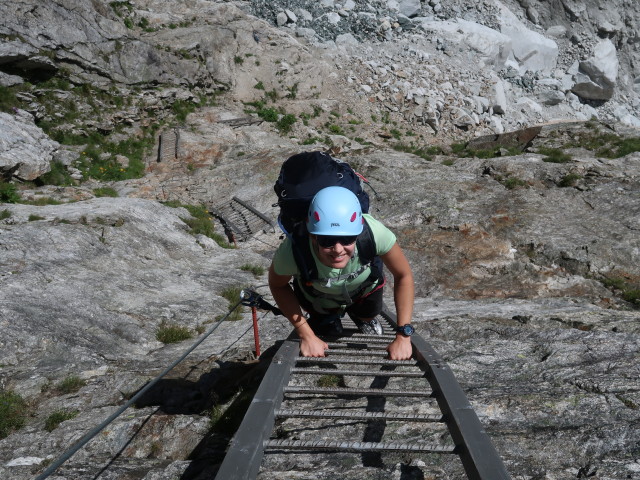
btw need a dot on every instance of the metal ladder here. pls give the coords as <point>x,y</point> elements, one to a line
<point>429,395</point>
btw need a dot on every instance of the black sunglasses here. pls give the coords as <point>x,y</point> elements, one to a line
<point>328,241</point>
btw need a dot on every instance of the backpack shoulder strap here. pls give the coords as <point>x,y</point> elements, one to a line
<point>366,244</point>
<point>302,254</point>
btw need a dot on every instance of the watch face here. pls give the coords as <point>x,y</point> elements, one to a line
<point>406,330</point>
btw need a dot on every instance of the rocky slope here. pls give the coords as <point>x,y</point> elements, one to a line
<point>525,246</point>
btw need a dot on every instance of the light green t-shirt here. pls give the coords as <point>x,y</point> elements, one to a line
<point>335,282</point>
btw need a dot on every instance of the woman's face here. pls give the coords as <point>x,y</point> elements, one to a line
<point>337,256</point>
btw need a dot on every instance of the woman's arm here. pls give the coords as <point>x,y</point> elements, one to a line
<point>403,296</point>
<point>310,344</point>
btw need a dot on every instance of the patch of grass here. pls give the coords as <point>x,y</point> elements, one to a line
<point>512,183</point>
<point>13,412</point>
<point>42,201</point>
<point>232,295</point>
<point>330,381</point>
<point>8,99</point>
<point>238,60</point>
<point>257,270</point>
<point>105,192</point>
<point>336,129</point>
<point>70,384</point>
<point>169,333</point>
<point>4,214</point>
<point>554,155</point>
<point>8,192</point>
<point>201,223</point>
<point>33,218</point>
<point>311,140</point>
<point>569,180</point>
<point>630,293</point>
<point>259,85</point>
<point>182,108</point>
<point>463,151</point>
<point>425,153</point>
<point>57,417</point>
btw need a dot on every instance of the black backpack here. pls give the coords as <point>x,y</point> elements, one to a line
<point>301,177</point>
<point>305,174</point>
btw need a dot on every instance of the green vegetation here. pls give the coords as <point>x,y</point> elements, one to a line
<point>232,295</point>
<point>425,153</point>
<point>569,180</point>
<point>604,144</point>
<point>57,417</point>
<point>554,155</point>
<point>4,214</point>
<point>630,293</point>
<point>13,412</point>
<point>42,201</point>
<point>463,151</point>
<point>70,384</point>
<point>201,223</point>
<point>8,193</point>
<point>105,192</point>
<point>238,60</point>
<point>58,175</point>
<point>330,381</point>
<point>259,85</point>
<point>168,333</point>
<point>285,123</point>
<point>33,218</point>
<point>257,270</point>
<point>513,182</point>
<point>335,129</point>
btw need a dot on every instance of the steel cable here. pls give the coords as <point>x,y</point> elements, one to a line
<point>92,433</point>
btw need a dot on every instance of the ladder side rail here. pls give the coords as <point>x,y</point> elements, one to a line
<point>479,457</point>
<point>243,459</point>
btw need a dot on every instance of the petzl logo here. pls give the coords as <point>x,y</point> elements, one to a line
<point>335,224</point>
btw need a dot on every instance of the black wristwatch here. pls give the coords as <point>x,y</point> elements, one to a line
<point>406,330</point>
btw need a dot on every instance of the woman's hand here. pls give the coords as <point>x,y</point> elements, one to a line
<point>312,346</point>
<point>400,348</point>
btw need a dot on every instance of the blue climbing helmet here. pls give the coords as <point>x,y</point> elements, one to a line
<point>335,211</point>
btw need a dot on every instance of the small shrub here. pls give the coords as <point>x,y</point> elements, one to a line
<point>238,60</point>
<point>268,114</point>
<point>33,218</point>
<point>172,333</point>
<point>70,384</point>
<point>43,201</point>
<point>285,123</point>
<point>13,411</point>
<point>8,193</point>
<point>4,214</point>
<point>57,417</point>
<point>259,86</point>
<point>105,192</point>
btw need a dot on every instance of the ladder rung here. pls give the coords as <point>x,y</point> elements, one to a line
<point>400,417</point>
<point>357,391</point>
<point>354,345</point>
<point>355,351</point>
<point>355,373</point>
<point>358,446</point>
<point>361,361</point>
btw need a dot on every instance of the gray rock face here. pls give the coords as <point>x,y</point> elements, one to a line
<point>597,76</point>
<point>509,253</point>
<point>26,151</point>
